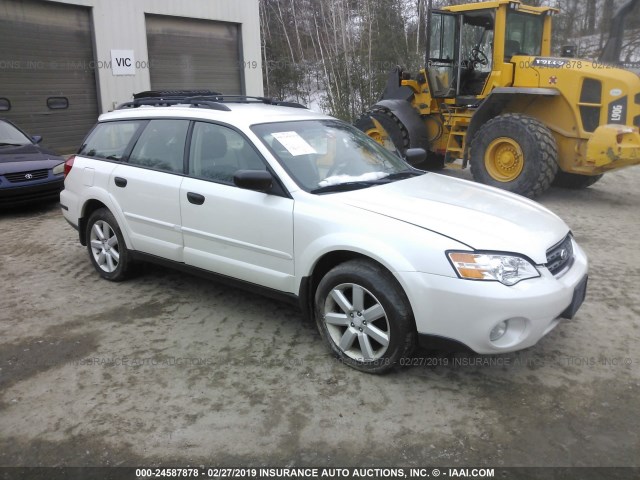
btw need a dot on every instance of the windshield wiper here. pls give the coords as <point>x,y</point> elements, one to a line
<point>7,144</point>
<point>404,174</point>
<point>346,186</point>
<point>355,185</point>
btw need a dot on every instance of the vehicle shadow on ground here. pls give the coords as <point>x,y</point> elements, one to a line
<point>28,210</point>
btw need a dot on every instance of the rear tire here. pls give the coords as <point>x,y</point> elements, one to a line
<point>574,181</point>
<point>105,244</point>
<point>364,316</point>
<point>514,152</point>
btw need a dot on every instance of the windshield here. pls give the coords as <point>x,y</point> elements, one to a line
<point>10,135</point>
<point>323,154</point>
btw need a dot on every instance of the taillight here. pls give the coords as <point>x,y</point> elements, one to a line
<point>68,165</point>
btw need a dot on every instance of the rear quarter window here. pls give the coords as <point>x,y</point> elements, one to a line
<point>110,140</point>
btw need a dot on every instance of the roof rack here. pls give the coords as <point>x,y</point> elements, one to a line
<point>198,99</point>
<point>174,93</point>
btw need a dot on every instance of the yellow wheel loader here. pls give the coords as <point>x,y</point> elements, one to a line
<point>493,98</point>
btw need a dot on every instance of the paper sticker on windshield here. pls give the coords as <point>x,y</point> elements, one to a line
<point>294,143</point>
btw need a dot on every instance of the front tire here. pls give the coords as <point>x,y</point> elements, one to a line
<point>364,316</point>
<point>516,153</point>
<point>105,244</point>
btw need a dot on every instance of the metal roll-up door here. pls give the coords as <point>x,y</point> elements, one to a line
<point>47,70</point>
<point>194,54</point>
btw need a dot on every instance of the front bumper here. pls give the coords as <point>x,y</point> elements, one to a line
<point>467,311</point>
<point>613,146</point>
<point>33,192</point>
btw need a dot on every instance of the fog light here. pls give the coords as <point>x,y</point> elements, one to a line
<point>498,331</point>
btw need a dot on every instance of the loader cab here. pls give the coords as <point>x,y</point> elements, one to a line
<point>460,52</point>
<point>470,46</point>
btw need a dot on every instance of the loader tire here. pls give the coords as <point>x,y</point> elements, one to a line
<point>396,132</point>
<point>514,152</point>
<point>393,129</point>
<point>574,181</point>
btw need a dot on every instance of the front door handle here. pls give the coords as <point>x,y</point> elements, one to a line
<point>195,198</point>
<point>120,182</point>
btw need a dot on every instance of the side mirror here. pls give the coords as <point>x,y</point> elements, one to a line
<point>258,180</point>
<point>413,156</point>
<point>36,138</point>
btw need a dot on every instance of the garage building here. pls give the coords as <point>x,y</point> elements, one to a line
<point>63,63</point>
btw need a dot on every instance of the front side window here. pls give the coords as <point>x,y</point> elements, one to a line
<point>161,145</point>
<point>524,35</point>
<point>110,140</point>
<point>218,152</point>
<point>323,154</point>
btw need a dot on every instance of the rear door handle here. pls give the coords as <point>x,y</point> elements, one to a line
<point>120,182</point>
<point>195,198</point>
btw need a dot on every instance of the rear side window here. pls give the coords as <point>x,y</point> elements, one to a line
<point>109,140</point>
<point>161,145</point>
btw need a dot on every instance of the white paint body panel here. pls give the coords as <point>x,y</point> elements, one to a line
<point>480,216</point>
<point>239,233</point>
<point>151,209</point>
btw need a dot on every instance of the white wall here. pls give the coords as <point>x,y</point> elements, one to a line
<point>120,25</point>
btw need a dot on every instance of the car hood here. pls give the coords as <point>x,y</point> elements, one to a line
<point>482,217</point>
<point>26,157</point>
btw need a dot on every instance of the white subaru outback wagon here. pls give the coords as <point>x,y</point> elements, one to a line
<point>281,199</point>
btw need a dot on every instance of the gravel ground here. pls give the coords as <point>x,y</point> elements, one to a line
<point>168,368</point>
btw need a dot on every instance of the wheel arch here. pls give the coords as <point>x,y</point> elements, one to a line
<point>325,263</point>
<point>99,199</point>
<point>88,208</point>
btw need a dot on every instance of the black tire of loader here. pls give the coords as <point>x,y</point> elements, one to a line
<point>538,148</point>
<point>398,134</point>
<point>394,128</point>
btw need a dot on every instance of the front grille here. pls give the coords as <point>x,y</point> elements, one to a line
<point>560,256</point>
<point>27,176</point>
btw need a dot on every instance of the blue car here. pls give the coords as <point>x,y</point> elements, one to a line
<point>28,172</point>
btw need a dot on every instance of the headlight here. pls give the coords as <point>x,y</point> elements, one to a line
<point>505,268</point>
<point>58,169</point>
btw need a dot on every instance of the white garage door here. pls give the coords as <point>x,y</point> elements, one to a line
<point>188,54</point>
<point>47,75</point>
